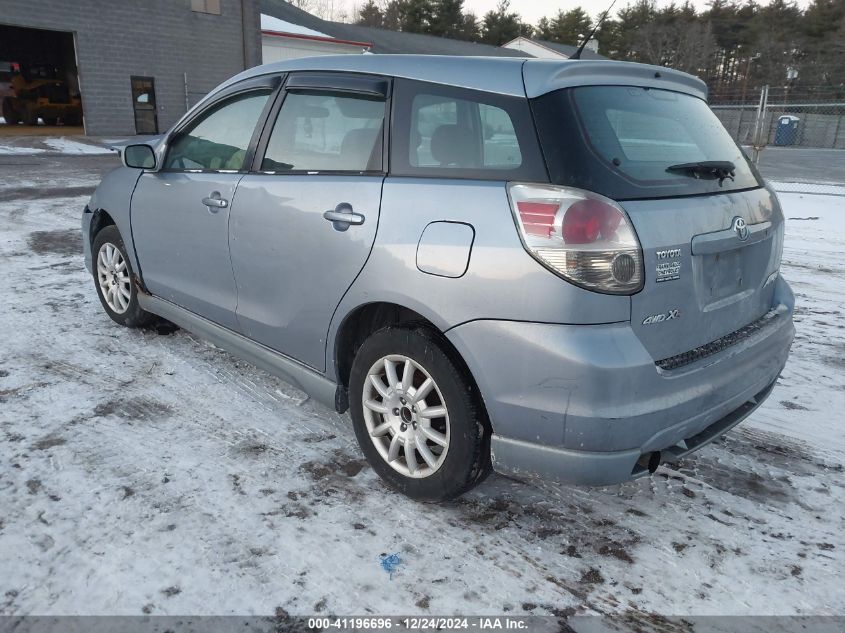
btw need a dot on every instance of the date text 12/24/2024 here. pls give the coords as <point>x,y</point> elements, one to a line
<point>418,623</point>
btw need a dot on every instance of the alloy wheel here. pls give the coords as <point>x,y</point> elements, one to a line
<point>406,416</point>
<point>113,278</point>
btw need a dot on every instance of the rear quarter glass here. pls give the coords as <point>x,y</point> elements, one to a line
<point>619,140</point>
<point>449,132</point>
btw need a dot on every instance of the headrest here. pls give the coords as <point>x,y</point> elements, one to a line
<point>357,146</point>
<point>453,145</point>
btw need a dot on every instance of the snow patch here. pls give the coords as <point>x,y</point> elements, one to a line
<point>269,23</point>
<point>156,474</point>
<point>829,188</point>
<point>55,145</point>
<point>69,146</point>
<point>7,150</point>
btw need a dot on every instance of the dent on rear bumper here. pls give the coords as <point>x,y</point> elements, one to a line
<point>581,404</point>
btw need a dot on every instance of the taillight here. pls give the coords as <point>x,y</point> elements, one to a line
<point>583,237</point>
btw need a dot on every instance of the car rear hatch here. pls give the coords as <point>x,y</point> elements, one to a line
<point>711,235</point>
<point>706,274</point>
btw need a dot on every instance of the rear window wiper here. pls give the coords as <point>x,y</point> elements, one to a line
<point>709,169</point>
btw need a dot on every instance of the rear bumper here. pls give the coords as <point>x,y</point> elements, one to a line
<point>582,404</point>
<point>525,460</point>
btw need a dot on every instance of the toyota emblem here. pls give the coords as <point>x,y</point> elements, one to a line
<point>741,228</point>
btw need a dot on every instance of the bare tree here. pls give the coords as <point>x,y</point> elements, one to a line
<point>305,5</point>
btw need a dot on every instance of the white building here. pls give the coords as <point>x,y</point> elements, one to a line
<point>552,50</point>
<point>288,32</point>
<point>286,40</point>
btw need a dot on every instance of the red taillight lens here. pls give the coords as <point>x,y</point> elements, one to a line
<point>582,222</point>
<point>585,238</point>
<point>538,218</point>
<point>588,220</point>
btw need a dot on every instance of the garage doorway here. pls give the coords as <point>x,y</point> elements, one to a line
<point>39,82</point>
<point>144,104</point>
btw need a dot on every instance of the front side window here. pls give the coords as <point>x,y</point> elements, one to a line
<point>323,131</point>
<point>219,139</point>
<point>460,133</point>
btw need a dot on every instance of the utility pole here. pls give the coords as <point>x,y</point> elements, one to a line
<point>753,58</point>
<point>759,144</point>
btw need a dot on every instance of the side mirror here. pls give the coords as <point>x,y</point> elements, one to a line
<point>139,157</point>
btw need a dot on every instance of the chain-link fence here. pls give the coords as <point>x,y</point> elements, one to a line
<point>796,139</point>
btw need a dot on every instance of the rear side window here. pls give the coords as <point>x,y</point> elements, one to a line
<point>628,142</point>
<point>319,131</point>
<point>459,133</point>
<point>220,138</point>
<point>442,125</point>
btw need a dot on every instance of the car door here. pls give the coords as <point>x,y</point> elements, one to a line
<point>180,213</point>
<point>306,216</point>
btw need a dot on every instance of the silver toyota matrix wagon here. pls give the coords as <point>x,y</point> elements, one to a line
<point>555,269</point>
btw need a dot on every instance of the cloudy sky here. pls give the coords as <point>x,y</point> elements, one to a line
<point>533,10</point>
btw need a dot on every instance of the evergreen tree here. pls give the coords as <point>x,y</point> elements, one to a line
<point>502,25</point>
<point>415,16</point>
<point>735,45</point>
<point>448,18</point>
<point>567,27</point>
<point>370,14</point>
<point>470,28</point>
<point>393,16</point>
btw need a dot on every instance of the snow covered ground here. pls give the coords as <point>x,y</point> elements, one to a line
<point>153,473</point>
<point>56,145</point>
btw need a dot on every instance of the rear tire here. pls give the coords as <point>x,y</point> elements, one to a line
<point>441,425</point>
<point>115,281</point>
<point>29,118</point>
<point>9,112</point>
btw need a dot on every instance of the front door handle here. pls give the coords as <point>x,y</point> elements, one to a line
<point>214,201</point>
<point>342,217</point>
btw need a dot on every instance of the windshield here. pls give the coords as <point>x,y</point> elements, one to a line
<point>621,141</point>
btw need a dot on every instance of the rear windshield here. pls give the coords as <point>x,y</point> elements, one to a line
<point>619,141</point>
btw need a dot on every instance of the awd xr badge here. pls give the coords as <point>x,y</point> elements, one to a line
<point>660,318</point>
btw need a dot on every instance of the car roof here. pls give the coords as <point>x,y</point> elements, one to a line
<point>492,74</point>
<point>502,75</point>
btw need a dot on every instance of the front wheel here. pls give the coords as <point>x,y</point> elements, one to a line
<point>115,281</point>
<point>418,419</point>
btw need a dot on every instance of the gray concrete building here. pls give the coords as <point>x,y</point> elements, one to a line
<point>136,65</point>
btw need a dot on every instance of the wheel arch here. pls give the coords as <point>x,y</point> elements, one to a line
<point>110,205</point>
<point>100,219</point>
<point>362,321</point>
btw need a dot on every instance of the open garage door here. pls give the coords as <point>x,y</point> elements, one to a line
<point>39,83</point>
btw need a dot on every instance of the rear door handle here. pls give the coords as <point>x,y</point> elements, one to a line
<point>342,217</point>
<point>214,201</point>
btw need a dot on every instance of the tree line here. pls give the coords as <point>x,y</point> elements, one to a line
<point>735,46</point>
